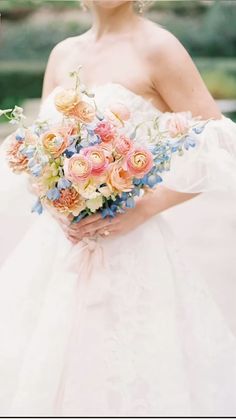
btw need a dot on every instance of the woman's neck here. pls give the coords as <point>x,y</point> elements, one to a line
<point>112,20</point>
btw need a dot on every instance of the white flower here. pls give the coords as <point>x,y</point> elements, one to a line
<point>17,111</point>
<point>105,191</point>
<point>4,111</point>
<point>88,189</point>
<point>95,203</point>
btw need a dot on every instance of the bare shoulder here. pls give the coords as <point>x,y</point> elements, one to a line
<point>63,48</point>
<point>161,45</point>
<point>59,55</point>
<point>174,75</point>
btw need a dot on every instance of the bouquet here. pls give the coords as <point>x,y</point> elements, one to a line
<point>86,163</point>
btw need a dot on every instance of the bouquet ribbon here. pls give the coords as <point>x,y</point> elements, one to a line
<point>87,259</point>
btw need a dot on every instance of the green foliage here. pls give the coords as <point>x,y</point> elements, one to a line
<point>34,42</point>
<point>10,8</point>
<point>221,85</point>
<point>213,33</point>
<point>180,7</point>
<point>204,30</point>
<point>219,75</point>
<point>18,82</point>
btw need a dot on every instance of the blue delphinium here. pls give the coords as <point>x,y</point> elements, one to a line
<point>37,207</point>
<point>63,183</point>
<point>53,194</point>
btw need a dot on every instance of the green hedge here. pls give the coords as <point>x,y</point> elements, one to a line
<point>211,32</point>
<point>19,81</point>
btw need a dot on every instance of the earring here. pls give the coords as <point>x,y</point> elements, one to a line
<point>83,6</point>
<point>140,5</point>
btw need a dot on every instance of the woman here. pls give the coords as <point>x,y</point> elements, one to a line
<point>117,326</point>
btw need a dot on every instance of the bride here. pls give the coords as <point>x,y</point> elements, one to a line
<point>103,318</point>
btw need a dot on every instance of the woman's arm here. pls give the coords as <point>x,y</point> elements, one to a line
<point>177,80</point>
<point>175,77</point>
<point>50,76</point>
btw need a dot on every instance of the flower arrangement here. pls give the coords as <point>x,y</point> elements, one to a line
<point>86,163</point>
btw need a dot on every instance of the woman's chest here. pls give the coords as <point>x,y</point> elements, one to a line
<point>121,63</point>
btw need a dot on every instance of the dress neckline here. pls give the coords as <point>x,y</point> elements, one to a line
<point>98,87</point>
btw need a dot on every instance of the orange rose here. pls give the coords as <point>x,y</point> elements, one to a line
<point>119,180</point>
<point>66,101</point>
<point>54,143</point>
<point>84,112</point>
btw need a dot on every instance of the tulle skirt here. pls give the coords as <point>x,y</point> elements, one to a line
<point>114,328</point>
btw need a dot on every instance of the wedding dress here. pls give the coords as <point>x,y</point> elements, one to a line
<point>119,326</point>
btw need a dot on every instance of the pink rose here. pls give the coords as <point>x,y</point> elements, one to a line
<point>105,131</point>
<point>139,162</point>
<point>123,145</point>
<point>178,124</point>
<point>97,158</point>
<point>77,168</point>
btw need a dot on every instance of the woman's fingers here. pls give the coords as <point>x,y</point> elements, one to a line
<point>98,225</point>
<point>88,220</point>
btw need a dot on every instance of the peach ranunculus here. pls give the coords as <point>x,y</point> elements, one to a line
<point>105,131</point>
<point>55,143</point>
<point>85,112</point>
<point>30,137</point>
<point>178,124</point>
<point>77,168</point>
<point>68,129</point>
<point>119,180</point>
<point>107,148</point>
<point>97,158</point>
<point>120,111</point>
<point>139,162</point>
<point>66,101</point>
<point>123,145</point>
<point>70,202</point>
<point>16,160</point>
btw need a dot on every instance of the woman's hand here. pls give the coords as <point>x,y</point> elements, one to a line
<point>95,225</point>
<point>153,202</point>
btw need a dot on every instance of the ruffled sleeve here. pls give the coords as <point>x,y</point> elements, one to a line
<point>211,165</point>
